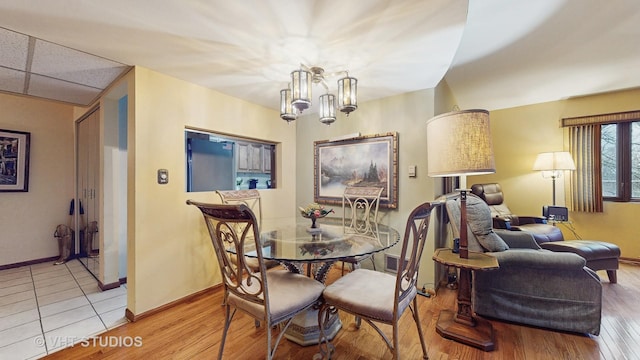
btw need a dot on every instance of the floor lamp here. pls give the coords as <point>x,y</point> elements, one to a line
<point>553,164</point>
<point>459,144</point>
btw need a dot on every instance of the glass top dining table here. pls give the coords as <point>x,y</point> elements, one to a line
<point>293,243</point>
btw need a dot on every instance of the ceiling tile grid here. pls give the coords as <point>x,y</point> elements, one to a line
<point>35,67</point>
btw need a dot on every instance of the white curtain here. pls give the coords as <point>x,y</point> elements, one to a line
<point>586,181</point>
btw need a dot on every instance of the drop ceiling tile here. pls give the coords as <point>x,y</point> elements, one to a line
<point>45,87</point>
<point>15,47</point>
<point>11,80</point>
<point>74,66</point>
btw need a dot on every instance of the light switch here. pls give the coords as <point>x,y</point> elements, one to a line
<point>163,176</point>
<point>412,171</point>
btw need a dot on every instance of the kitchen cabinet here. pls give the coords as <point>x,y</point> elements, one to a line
<point>250,157</point>
<point>267,151</point>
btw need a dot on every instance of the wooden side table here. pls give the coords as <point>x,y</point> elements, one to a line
<point>463,326</point>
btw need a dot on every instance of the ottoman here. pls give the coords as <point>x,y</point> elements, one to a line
<point>599,255</point>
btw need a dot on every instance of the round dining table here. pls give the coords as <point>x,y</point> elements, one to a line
<point>312,251</point>
<point>293,243</point>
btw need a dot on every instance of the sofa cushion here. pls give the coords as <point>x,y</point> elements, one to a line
<point>481,225</point>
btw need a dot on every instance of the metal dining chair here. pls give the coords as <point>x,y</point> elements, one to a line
<point>250,197</point>
<point>360,215</point>
<point>379,297</point>
<point>272,297</point>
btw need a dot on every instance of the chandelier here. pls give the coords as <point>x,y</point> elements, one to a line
<point>297,98</point>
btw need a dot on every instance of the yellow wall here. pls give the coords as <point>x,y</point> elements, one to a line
<point>170,254</point>
<point>519,134</point>
<point>28,219</point>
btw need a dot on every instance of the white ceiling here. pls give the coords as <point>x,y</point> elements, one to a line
<point>493,53</point>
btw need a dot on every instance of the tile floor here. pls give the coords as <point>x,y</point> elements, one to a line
<point>46,307</point>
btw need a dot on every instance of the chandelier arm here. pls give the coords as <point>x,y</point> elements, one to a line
<point>324,83</point>
<point>337,73</point>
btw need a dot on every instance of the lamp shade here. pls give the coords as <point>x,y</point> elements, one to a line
<point>551,161</point>
<point>459,143</point>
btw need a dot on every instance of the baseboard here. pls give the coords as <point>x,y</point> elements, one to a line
<point>30,262</point>
<point>135,317</point>
<point>631,261</point>
<point>108,286</point>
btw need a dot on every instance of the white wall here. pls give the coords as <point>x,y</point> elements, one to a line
<point>28,219</point>
<point>405,114</point>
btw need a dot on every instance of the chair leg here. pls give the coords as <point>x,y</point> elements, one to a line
<point>324,344</point>
<point>227,322</point>
<point>396,342</point>
<point>416,318</point>
<point>269,350</point>
<point>613,276</point>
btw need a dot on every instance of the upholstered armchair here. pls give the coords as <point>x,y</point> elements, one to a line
<point>503,218</point>
<point>532,286</point>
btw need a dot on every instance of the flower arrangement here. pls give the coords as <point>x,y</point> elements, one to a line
<point>314,210</point>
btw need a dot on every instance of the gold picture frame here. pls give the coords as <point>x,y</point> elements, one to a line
<point>370,160</point>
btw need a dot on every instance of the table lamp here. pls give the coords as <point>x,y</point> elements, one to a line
<point>553,164</point>
<point>459,144</point>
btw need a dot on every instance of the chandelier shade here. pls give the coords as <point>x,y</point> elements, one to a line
<point>327,109</point>
<point>297,98</point>
<point>287,111</point>
<point>301,89</point>
<point>348,94</point>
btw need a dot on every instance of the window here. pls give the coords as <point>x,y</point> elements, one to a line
<point>620,157</point>
<point>605,148</point>
<point>222,162</point>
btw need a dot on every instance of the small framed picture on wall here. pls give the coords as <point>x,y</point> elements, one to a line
<point>14,160</point>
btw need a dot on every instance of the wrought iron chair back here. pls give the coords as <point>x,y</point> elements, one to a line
<point>361,204</point>
<point>250,197</point>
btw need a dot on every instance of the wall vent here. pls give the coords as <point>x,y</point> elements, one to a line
<point>391,262</point>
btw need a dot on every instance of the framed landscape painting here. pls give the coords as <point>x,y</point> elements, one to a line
<point>370,160</point>
<point>14,160</point>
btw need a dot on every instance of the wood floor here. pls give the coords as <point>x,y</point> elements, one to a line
<point>192,331</point>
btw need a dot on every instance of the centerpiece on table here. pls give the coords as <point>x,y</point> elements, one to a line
<point>314,211</point>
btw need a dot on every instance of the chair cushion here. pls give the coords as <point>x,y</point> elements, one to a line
<point>481,225</point>
<point>368,293</point>
<point>288,294</point>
